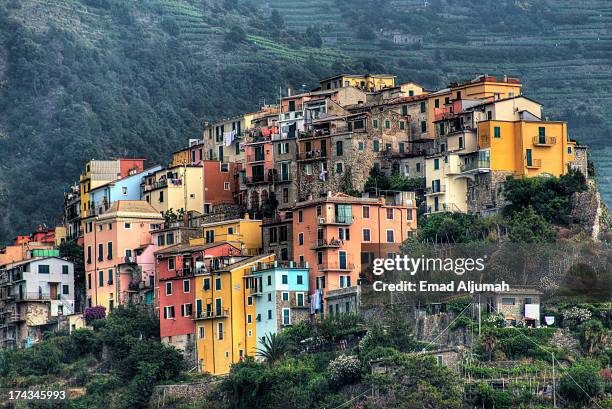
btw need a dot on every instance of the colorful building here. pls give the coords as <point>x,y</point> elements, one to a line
<point>338,236</point>
<point>34,295</point>
<point>226,328</point>
<point>175,188</point>
<point>280,294</point>
<point>99,172</point>
<point>176,269</point>
<point>119,260</point>
<point>366,82</point>
<point>244,234</point>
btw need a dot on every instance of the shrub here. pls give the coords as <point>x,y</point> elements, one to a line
<point>581,381</point>
<point>92,314</point>
<point>344,369</point>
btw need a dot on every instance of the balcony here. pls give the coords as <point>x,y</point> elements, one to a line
<point>311,155</point>
<point>438,190</point>
<point>337,219</point>
<point>324,243</point>
<point>259,179</point>
<point>476,166</point>
<point>211,315</point>
<point>534,163</point>
<point>544,140</point>
<point>336,266</point>
<point>255,158</point>
<point>156,185</point>
<point>316,133</point>
<point>127,260</point>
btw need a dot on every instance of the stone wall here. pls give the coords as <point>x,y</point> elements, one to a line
<point>184,343</point>
<point>277,246</point>
<point>484,192</point>
<point>170,396</point>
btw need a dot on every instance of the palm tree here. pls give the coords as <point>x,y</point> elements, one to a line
<point>273,348</point>
<point>488,342</point>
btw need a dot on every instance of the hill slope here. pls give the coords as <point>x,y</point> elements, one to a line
<point>93,78</point>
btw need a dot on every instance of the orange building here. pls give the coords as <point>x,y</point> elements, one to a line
<point>119,252</point>
<point>339,235</point>
<point>221,183</point>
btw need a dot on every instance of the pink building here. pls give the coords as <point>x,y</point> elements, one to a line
<point>119,260</point>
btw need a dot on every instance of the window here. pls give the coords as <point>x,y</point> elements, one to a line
<point>285,296</point>
<point>301,239</point>
<point>224,167</point>
<point>437,103</point>
<point>226,185</point>
<point>100,278</point>
<point>249,318</point>
<point>217,284</point>
<point>361,146</point>
<point>124,190</point>
<point>376,145</point>
<point>186,286</point>
<point>300,216</point>
<point>64,269</point>
<point>299,299</point>
<point>161,240</point>
<point>218,307</point>
<point>110,277</point>
<point>423,107</point>
<point>344,233</point>
<point>170,238</point>
<point>365,212</point>
<point>171,263</point>
<point>210,236</point>
<point>201,332</point>
<point>273,236</point>
<point>497,132</point>
<point>569,150</point>
<point>418,167</point>
<point>269,297</point>
<point>65,289</point>
<point>409,215</point>
<point>43,269</point>
<point>127,225</point>
<point>168,288</point>
<point>206,284</point>
<point>339,167</point>
<point>402,125</point>
<point>269,314</point>
<point>401,147</point>
<point>390,236</point>
<point>375,123</point>
<point>366,235</point>
<point>489,115</point>
<point>387,124</point>
<point>100,252</point>
<point>339,148</point>
<point>508,301</point>
<point>285,279</point>
<point>169,312</point>
<point>436,164</point>
<point>286,316</point>
<point>186,310</point>
<point>300,279</point>
<point>389,214</point>
<point>109,250</point>
<point>88,254</point>
<point>219,330</point>
<point>249,300</point>
<point>269,280</point>
<point>423,126</point>
<point>89,281</point>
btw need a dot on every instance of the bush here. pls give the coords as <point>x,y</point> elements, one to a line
<point>344,369</point>
<point>92,314</point>
<point>581,381</point>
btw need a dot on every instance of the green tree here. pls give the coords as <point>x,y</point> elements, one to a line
<point>526,226</point>
<point>274,347</point>
<point>581,382</point>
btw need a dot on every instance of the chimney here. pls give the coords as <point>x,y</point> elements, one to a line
<point>288,92</point>
<point>505,78</point>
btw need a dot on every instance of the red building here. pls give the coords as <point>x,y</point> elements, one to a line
<point>221,183</point>
<point>175,270</point>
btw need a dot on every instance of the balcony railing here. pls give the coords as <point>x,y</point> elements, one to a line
<point>534,163</point>
<point>256,158</point>
<point>311,155</point>
<point>336,266</point>
<point>36,296</point>
<point>475,165</point>
<point>544,140</point>
<point>324,243</point>
<point>336,219</point>
<point>155,185</point>
<point>316,133</point>
<point>436,190</point>
<point>209,315</point>
<point>253,180</point>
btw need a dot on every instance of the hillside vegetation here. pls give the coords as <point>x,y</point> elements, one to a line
<point>94,78</point>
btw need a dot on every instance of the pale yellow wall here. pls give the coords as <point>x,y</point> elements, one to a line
<point>246,234</point>
<point>188,196</point>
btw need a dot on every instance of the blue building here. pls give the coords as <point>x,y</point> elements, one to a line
<point>280,293</point>
<point>127,188</point>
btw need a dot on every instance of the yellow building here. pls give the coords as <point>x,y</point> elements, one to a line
<point>225,318</point>
<point>176,187</point>
<point>367,82</point>
<point>440,103</point>
<point>244,234</point>
<point>527,148</point>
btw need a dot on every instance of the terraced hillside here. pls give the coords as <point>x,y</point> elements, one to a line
<point>95,78</point>
<point>561,49</point>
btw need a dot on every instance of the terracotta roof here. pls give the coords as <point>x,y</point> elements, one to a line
<point>244,262</point>
<point>131,208</point>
